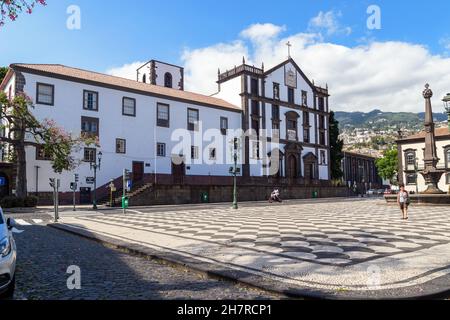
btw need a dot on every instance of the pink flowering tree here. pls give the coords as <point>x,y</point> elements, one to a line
<point>10,9</point>
<point>21,129</point>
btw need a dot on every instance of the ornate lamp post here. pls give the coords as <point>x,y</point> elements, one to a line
<point>235,170</point>
<point>446,101</point>
<point>94,166</point>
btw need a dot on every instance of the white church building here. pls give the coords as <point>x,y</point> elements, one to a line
<point>154,128</point>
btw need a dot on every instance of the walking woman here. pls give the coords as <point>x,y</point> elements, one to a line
<point>403,201</point>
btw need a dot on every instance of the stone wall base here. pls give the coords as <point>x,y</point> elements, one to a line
<point>162,195</point>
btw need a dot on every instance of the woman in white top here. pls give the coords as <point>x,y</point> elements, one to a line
<point>403,201</point>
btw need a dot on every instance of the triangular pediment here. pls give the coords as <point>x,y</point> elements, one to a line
<point>297,68</point>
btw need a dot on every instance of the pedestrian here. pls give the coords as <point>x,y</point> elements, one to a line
<point>403,201</point>
<point>275,196</point>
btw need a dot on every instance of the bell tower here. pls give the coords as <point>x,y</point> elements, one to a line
<point>161,74</point>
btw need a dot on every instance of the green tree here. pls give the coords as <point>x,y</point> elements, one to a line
<point>388,165</point>
<point>336,145</point>
<point>21,129</point>
<point>3,71</point>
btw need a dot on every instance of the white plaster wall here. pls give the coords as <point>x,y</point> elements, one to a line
<point>140,132</point>
<point>440,144</point>
<point>278,76</point>
<point>230,90</point>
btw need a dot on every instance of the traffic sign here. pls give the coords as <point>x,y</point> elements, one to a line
<point>90,180</point>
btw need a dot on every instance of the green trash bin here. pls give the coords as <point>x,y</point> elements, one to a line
<point>204,197</point>
<point>125,202</point>
<point>315,194</point>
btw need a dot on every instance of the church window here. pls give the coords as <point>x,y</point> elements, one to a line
<point>168,80</point>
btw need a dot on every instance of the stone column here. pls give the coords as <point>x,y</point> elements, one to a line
<point>431,174</point>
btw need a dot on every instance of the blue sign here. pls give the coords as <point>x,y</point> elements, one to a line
<point>2,181</point>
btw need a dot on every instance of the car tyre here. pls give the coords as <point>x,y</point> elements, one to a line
<point>9,293</point>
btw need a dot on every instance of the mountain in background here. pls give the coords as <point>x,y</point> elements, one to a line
<point>379,120</point>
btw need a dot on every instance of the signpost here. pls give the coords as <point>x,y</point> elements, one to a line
<point>55,184</point>
<point>112,189</point>
<point>74,187</point>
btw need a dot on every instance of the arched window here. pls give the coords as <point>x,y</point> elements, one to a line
<point>144,78</point>
<point>168,80</point>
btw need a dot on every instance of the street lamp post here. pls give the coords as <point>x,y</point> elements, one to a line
<point>235,171</point>
<point>94,166</point>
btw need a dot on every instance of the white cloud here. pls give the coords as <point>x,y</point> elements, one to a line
<point>328,21</point>
<point>126,71</point>
<point>385,75</point>
<point>260,32</point>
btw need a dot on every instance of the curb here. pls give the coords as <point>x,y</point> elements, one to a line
<point>430,290</point>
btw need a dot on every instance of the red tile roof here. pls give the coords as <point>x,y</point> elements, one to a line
<point>439,132</point>
<point>122,83</point>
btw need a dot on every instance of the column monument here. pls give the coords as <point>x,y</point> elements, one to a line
<point>430,173</point>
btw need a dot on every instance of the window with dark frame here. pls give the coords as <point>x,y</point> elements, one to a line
<point>163,115</point>
<point>306,118</point>
<point>121,146</point>
<point>41,154</point>
<point>276,120</point>
<point>90,126</point>
<point>322,139</point>
<point>45,94</point>
<point>448,178</point>
<point>90,154</point>
<point>90,100</point>
<point>168,80</point>
<point>291,95</point>
<point>411,178</point>
<point>321,103</point>
<point>321,122</point>
<point>255,108</point>
<point>161,149</point>
<point>129,107</point>
<point>306,137</point>
<point>192,119</point>
<point>194,152</point>
<point>447,158</point>
<point>254,87</point>
<point>223,125</point>
<point>291,129</point>
<point>410,160</point>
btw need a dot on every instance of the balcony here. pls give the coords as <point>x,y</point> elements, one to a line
<point>240,69</point>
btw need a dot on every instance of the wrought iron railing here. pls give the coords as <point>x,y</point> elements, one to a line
<point>239,69</point>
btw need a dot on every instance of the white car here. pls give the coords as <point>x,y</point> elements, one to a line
<point>8,254</point>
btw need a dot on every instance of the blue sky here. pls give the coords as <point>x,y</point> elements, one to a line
<point>188,31</point>
<point>113,33</point>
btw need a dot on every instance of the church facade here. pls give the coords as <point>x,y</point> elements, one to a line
<point>153,127</point>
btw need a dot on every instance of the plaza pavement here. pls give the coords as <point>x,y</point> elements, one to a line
<point>327,249</point>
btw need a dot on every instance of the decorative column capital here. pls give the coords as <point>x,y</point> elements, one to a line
<point>427,93</point>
